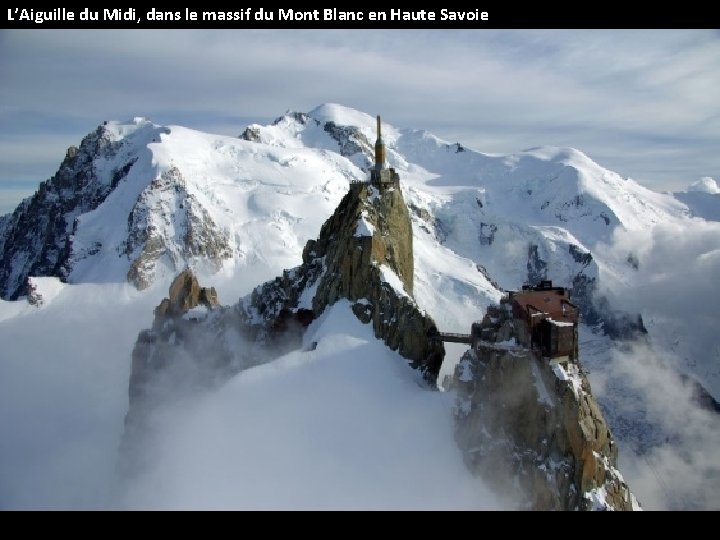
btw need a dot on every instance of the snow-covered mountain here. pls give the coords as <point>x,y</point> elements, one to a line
<point>139,202</point>
<point>138,199</point>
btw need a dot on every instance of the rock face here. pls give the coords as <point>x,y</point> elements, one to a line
<point>522,416</point>
<point>180,336</point>
<point>189,348</point>
<point>186,294</point>
<point>350,139</point>
<point>169,225</point>
<point>156,221</point>
<point>36,240</point>
<point>34,297</point>
<point>364,253</point>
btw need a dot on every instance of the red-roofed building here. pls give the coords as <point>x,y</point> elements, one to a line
<point>545,320</point>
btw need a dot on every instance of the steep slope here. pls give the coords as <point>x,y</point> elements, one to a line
<point>527,421</point>
<point>363,254</point>
<point>139,202</point>
<point>37,239</point>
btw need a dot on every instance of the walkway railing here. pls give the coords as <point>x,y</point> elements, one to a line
<point>452,338</point>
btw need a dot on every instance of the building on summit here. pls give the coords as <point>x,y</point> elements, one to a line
<point>381,177</point>
<point>544,321</point>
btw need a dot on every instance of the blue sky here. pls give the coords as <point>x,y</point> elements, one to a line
<point>644,103</point>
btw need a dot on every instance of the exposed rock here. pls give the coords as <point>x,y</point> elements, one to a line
<point>34,297</point>
<point>168,227</point>
<point>595,308</point>
<point>72,152</point>
<point>521,416</point>
<point>579,255</point>
<point>486,274</point>
<point>173,230</point>
<point>422,213</point>
<point>186,294</point>
<point>700,396</point>
<point>351,140</point>
<point>36,240</point>
<point>487,233</point>
<point>173,332</point>
<point>190,347</point>
<point>596,312</point>
<point>300,117</point>
<point>251,133</point>
<point>344,262</point>
<point>389,245</point>
<point>536,266</point>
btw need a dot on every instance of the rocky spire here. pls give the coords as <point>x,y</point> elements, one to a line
<point>379,147</point>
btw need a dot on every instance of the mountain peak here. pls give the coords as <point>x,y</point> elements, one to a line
<point>341,115</point>
<point>118,130</point>
<point>138,196</point>
<point>562,154</point>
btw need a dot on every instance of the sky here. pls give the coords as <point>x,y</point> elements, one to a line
<point>643,103</point>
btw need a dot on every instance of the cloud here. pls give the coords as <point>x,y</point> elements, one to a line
<point>310,432</point>
<point>675,289</point>
<point>347,426</point>
<point>63,398</point>
<point>668,445</point>
<point>705,185</point>
<point>679,265</point>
